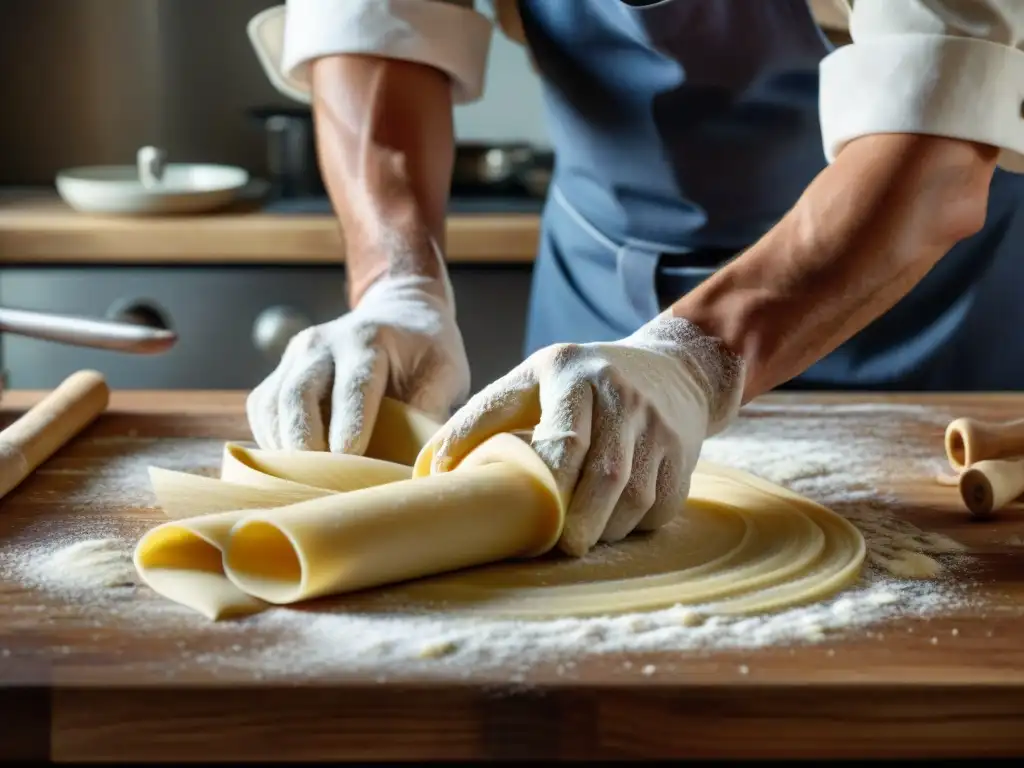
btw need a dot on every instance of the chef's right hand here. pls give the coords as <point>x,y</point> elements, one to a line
<point>401,340</point>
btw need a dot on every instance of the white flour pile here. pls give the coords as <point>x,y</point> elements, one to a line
<point>817,455</point>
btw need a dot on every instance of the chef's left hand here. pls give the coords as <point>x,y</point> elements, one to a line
<point>620,424</point>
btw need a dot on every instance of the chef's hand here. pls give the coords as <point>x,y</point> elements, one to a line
<point>621,424</point>
<point>400,340</point>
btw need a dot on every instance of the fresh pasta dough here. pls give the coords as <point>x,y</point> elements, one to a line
<point>386,535</point>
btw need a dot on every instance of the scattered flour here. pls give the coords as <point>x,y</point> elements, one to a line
<point>91,564</point>
<point>821,452</point>
<point>125,471</point>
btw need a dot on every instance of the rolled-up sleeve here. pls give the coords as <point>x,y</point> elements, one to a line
<point>447,34</point>
<point>942,67</point>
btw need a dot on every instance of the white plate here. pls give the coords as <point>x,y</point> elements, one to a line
<point>183,188</point>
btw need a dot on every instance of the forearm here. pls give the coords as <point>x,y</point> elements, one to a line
<point>385,142</point>
<point>862,235</point>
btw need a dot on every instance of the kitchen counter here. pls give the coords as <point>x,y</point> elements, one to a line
<point>82,685</point>
<point>38,229</point>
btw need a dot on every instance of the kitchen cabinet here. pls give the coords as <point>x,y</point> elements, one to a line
<point>234,286</point>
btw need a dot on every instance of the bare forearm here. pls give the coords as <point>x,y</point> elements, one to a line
<point>385,142</point>
<point>862,235</point>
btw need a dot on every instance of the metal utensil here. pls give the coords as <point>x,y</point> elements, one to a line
<point>87,331</point>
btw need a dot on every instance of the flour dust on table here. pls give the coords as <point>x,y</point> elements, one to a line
<point>819,455</point>
<point>93,564</point>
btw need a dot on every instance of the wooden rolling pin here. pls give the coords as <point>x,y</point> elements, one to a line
<point>50,424</point>
<point>991,484</point>
<point>969,441</point>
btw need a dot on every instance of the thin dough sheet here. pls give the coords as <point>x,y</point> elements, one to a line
<point>743,545</point>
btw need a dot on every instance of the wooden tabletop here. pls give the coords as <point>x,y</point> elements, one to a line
<point>42,229</point>
<point>81,686</point>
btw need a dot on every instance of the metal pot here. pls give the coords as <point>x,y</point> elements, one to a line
<point>292,167</point>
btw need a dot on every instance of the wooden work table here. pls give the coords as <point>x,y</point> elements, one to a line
<point>86,690</point>
<point>42,229</point>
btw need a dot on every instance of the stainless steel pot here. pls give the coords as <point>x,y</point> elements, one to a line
<point>291,157</point>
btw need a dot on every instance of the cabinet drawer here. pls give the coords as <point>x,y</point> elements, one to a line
<point>213,311</point>
<point>223,314</point>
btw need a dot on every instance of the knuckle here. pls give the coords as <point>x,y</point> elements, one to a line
<point>615,386</point>
<point>304,341</point>
<point>376,334</point>
<point>575,443</point>
<point>612,372</point>
<point>562,355</point>
<point>613,469</point>
<point>561,453</point>
<point>309,336</point>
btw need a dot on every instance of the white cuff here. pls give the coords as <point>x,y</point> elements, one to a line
<point>451,38</point>
<point>929,84</point>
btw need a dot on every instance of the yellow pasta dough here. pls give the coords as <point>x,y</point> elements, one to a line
<point>386,534</point>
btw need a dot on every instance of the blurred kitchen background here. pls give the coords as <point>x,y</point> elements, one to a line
<point>88,82</point>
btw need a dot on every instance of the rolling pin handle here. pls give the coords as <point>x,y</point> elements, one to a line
<point>992,484</point>
<point>49,425</point>
<point>969,441</point>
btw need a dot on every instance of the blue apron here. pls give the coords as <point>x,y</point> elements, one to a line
<point>684,130</point>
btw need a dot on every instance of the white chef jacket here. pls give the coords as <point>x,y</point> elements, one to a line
<point>942,67</point>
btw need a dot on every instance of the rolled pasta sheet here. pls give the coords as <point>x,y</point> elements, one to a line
<point>183,559</point>
<point>500,503</point>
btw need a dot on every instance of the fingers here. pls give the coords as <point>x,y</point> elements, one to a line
<point>278,410</point>
<point>286,410</point>
<point>261,411</point>
<point>300,423</point>
<point>606,471</point>
<point>355,399</point>
<point>673,486</point>
<point>505,405</point>
<point>640,493</point>
<point>632,478</point>
<point>562,436</point>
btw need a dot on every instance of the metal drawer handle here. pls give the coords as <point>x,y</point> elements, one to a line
<point>87,331</point>
<point>275,327</point>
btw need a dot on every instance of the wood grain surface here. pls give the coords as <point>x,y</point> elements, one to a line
<point>44,230</point>
<point>79,688</point>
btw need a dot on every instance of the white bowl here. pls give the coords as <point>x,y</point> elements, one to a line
<point>183,188</point>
